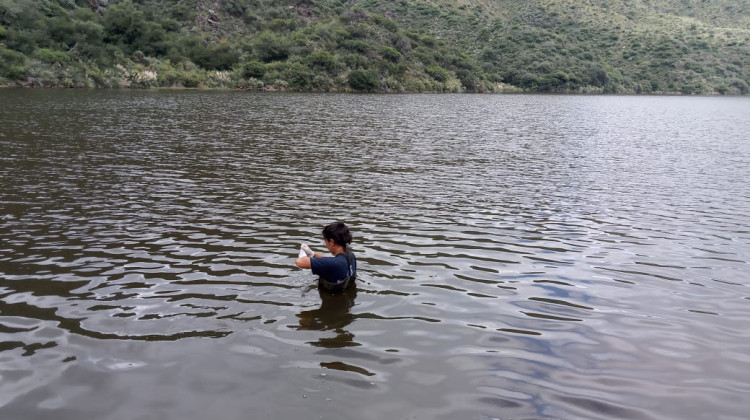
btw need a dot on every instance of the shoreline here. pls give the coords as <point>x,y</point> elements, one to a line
<point>353,92</point>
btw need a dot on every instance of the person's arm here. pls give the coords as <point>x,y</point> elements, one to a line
<point>302,262</point>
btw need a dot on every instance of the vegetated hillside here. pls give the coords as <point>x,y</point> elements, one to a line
<point>687,46</point>
<point>273,44</point>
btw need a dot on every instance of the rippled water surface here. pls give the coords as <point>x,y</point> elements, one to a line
<point>520,257</point>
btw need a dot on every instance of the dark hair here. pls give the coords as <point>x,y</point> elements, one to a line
<point>339,232</point>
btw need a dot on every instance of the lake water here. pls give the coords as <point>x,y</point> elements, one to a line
<point>520,256</point>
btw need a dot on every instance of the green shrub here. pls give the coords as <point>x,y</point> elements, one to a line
<point>170,25</point>
<point>293,74</point>
<point>390,54</point>
<point>214,57</point>
<point>322,60</point>
<point>355,61</point>
<point>12,64</point>
<point>438,73</point>
<point>386,23</point>
<point>282,25</point>
<point>252,69</point>
<point>150,39</point>
<point>469,80</point>
<point>394,69</point>
<point>322,82</point>
<point>52,57</point>
<point>98,78</point>
<point>167,76</point>
<point>236,8</point>
<point>356,46</point>
<point>739,84</point>
<point>61,31</point>
<point>270,47</point>
<point>298,75</point>
<point>190,80</point>
<point>122,23</point>
<point>598,76</point>
<point>183,11</point>
<point>414,85</point>
<point>364,80</point>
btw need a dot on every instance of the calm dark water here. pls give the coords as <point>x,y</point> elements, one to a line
<point>521,257</point>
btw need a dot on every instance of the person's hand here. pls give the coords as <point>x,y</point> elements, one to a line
<point>306,249</point>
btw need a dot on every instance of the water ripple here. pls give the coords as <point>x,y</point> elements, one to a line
<point>522,256</point>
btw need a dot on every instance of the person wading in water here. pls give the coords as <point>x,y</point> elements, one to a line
<point>336,273</point>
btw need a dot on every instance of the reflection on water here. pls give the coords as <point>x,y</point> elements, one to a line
<point>334,314</point>
<point>521,256</point>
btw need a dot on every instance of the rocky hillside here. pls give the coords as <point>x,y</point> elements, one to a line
<point>611,46</point>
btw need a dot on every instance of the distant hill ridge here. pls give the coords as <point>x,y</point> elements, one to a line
<point>596,46</point>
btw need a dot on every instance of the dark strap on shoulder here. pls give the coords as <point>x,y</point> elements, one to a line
<point>348,256</point>
<point>343,284</point>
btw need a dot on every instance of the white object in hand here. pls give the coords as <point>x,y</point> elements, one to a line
<point>301,253</point>
<point>306,249</point>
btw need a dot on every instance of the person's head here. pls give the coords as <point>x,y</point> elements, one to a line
<point>338,233</point>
